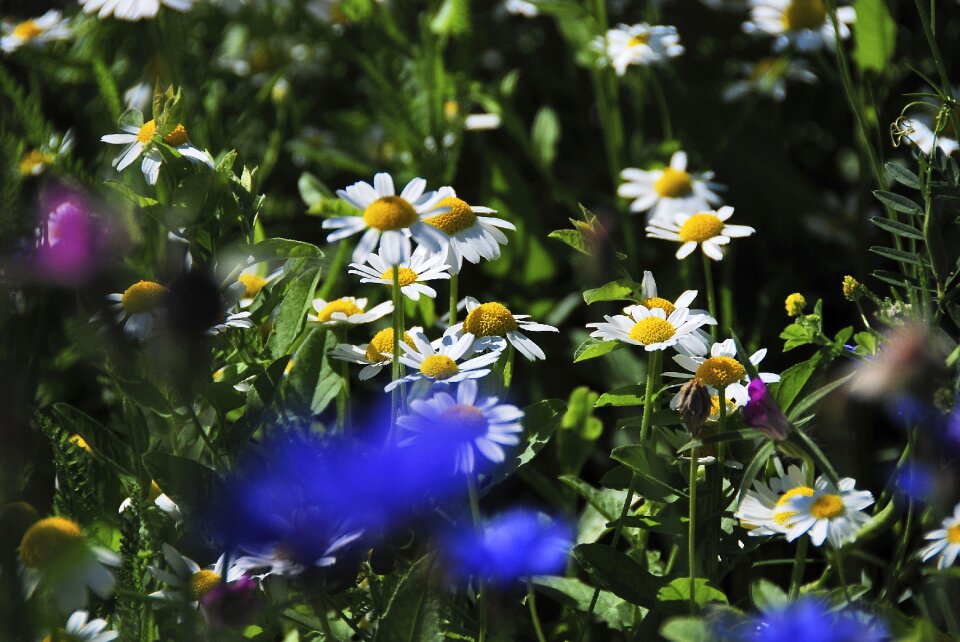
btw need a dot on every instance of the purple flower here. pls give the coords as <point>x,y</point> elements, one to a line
<point>915,481</point>
<point>232,605</point>
<point>71,240</point>
<point>763,413</point>
<point>811,621</point>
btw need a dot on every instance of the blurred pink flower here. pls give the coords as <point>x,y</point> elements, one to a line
<point>71,240</point>
<point>763,413</point>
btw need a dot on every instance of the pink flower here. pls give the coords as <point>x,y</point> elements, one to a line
<point>72,241</point>
<point>763,413</point>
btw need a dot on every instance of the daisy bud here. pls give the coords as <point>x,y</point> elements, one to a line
<point>763,413</point>
<point>795,304</point>
<point>694,405</point>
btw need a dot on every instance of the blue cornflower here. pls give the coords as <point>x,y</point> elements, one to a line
<point>916,481</point>
<point>811,621</point>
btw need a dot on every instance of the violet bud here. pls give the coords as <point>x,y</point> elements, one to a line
<point>763,413</point>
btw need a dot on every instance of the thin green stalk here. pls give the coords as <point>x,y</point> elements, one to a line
<point>662,107</point>
<point>343,397</point>
<point>508,368</point>
<point>928,32</point>
<point>482,593</point>
<point>841,574</point>
<point>534,618</point>
<point>711,295</point>
<point>948,610</point>
<point>454,282</point>
<point>692,529</point>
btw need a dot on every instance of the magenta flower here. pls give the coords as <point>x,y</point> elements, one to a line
<point>763,413</point>
<point>232,605</point>
<point>72,241</point>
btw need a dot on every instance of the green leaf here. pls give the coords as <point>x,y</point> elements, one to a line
<point>874,34</point>
<point>811,399</point>
<point>193,486</point>
<point>645,463</point>
<point>768,596</point>
<point>104,442</point>
<point>675,596</point>
<point>615,612</point>
<point>745,358</point>
<point>616,572</point>
<point>545,135</point>
<point>802,440</point>
<point>900,256</point>
<point>754,467</point>
<point>593,348</point>
<point>623,396</point>
<point>897,228</point>
<point>793,380</point>
<point>313,378</point>
<point>312,190</point>
<point>898,203</point>
<point>412,612</point>
<point>606,502</point>
<point>894,278</point>
<point>278,248</point>
<point>573,238</point>
<point>540,421</point>
<point>130,194</point>
<point>879,523</point>
<point>686,629</point>
<point>292,314</point>
<point>619,290</point>
<point>261,398</point>
<point>902,175</point>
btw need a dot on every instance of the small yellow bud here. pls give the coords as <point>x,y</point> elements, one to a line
<point>795,304</point>
<point>852,289</point>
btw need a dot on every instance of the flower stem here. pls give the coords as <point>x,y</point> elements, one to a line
<point>454,282</point>
<point>692,529</point>
<point>343,397</point>
<point>711,295</point>
<point>534,618</point>
<point>482,593</point>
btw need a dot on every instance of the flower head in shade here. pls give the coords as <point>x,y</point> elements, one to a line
<point>80,628</point>
<point>812,621</point>
<point>347,311</point>
<point>654,329</point>
<point>640,44</point>
<point>802,24</point>
<point>420,267</point>
<point>132,9</point>
<point>707,229</point>
<point>768,77</point>
<point>487,322</point>
<point>721,370</point>
<point>187,582</point>
<point>143,139</point>
<point>668,191</point>
<point>34,31</point>
<point>509,547</point>
<point>443,359</point>
<point>232,604</point>
<point>826,512</point>
<point>374,356</point>
<point>232,317</point>
<point>469,233</point>
<point>389,220</point>
<point>138,307</point>
<point>945,542</point>
<point>763,413</point>
<point>758,512</point>
<point>470,423</point>
<point>310,539</point>
<point>55,554</point>
<point>255,279</point>
<point>159,499</point>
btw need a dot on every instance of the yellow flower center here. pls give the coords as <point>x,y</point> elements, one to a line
<point>407,276</point>
<point>490,320</point>
<point>469,419</point>
<point>32,160</point>
<point>675,183</point>
<point>638,40</point>
<point>147,131</point>
<point>652,330</point>
<point>460,217</point>
<point>382,342</point>
<point>439,366</point>
<point>953,534</point>
<point>48,541</point>
<point>714,415</point>
<point>827,507</point>
<point>27,30</point>
<point>201,583</point>
<point>762,68</point>
<point>155,491</point>
<point>657,302</point>
<point>80,442</point>
<point>804,14</point>
<point>389,213</point>
<point>142,297</point>
<point>450,109</point>
<point>720,372</point>
<point>701,227</point>
<point>347,306</point>
<point>176,137</point>
<point>783,518</point>
<point>253,282</point>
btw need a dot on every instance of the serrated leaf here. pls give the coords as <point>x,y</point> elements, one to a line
<point>898,228</point>
<point>292,314</point>
<point>899,203</point>
<point>313,378</point>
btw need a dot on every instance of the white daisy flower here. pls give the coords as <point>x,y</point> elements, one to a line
<point>79,629</point>
<point>487,322</point>
<point>142,140</point>
<point>521,8</point>
<point>669,191</point>
<point>721,370</point>
<point>347,311</point>
<point>186,581</point>
<point>254,281</point>
<point>706,229</point>
<point>374,356</point>
<point>768,77</point>
<point>47,28</point>
<point>389,220</point>
<point>649,298</point>
<point>640,44</point>
<point>485,425</point>
<point>36,160</point>
<point>758,512</point>
<point>920,131</point>
<point>655,330</point>
<point>159,499</point>
<point>832,513</point>
<point>231,299</point>
<point>132,9</point>
<point>440,360</point>
<point>946,542</point>
<point>802,24</point>
<point>138,307</point>
<point>53,552</point>
<point>313,542</point>
<point>420,267</point>
<point>468,236</point>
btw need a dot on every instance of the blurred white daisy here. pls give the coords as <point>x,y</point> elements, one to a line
<point>374,356</point>
<point>315,540</point>
<point>802,24</point>
<point>649,298</point>
<point>768,77</point>
<point>441,360</point>
<point>142,140</point>
<point>389,220</point>
<point>486,322</point>
<point>34,31</point>
<point>484,425</point>
<point>254,281</point>
<point>420,267</point>
<point>35,161</point>
<point>655,330</point>
<point>521,8</point>
<point>138,307</point>
<point>920,130</point>
<point>186,581</point>
<point>757,510</point>
<point>721,371</point>
<point>668,191</point>
<point>468,235</point>
<point>708,229</point>
<point>159,499</point>
<point>946,541</point>
<point>132,9</point>
<point>831,513</point>
<point>639,44</point>
<point>347,311</point>
<point>79,628</point>
<point>231,318</point>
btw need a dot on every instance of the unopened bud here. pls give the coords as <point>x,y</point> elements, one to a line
<point>763,413</point>
<point>693,404</point>
<point>852,289</point>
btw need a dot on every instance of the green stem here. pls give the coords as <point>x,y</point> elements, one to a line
<point>928,31</point>
<point>661,101</point>
<point>482,593</point>
<point>948,610</point>
<point>711,295</point>
<point>343,397</point>
<point>508,368</point>
<point>692,529</point>
<point>454,282</point>
<point>841,574</point>
<point>653,364</point>
<point>534,618</point>
<point>334,270</point>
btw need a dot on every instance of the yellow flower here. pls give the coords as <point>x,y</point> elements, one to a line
<point>795,304</point>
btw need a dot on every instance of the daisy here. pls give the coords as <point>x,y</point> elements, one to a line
<point>438,361</point>
<point>138,307</point>
<point>132,9</point>
<point>640,44</point>
<point>186,581</point>
<point>389,220</point>
<point>655,330</point>
<point>521,8</point>
<point>649,298</point>
<point>142,140</point>
<point>230,300</point>
<point>53,552</point>
<point>833,513</point>
<point>159,499</point>
<point>484,425</point>
<point>756,511</point>
<point>920,131</point>
<point>946,542</point>
<point>36,160</point>
<point>79,629</point>
<point>721,370</point>
<point>768,77</point>
<point>47,28</point>
<point>374,355</point>
<point>420,267</point>
<point>668,191</point>
<point>706,229</point>
<point>254,282</point>
<point>487,322</point>
<point>802,24</point>
<point>347,311</point>
<point>468,236</point>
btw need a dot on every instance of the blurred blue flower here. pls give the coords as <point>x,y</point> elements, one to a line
<point>811,621</point>
<point>513,545</point>
<point>916,481</point>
